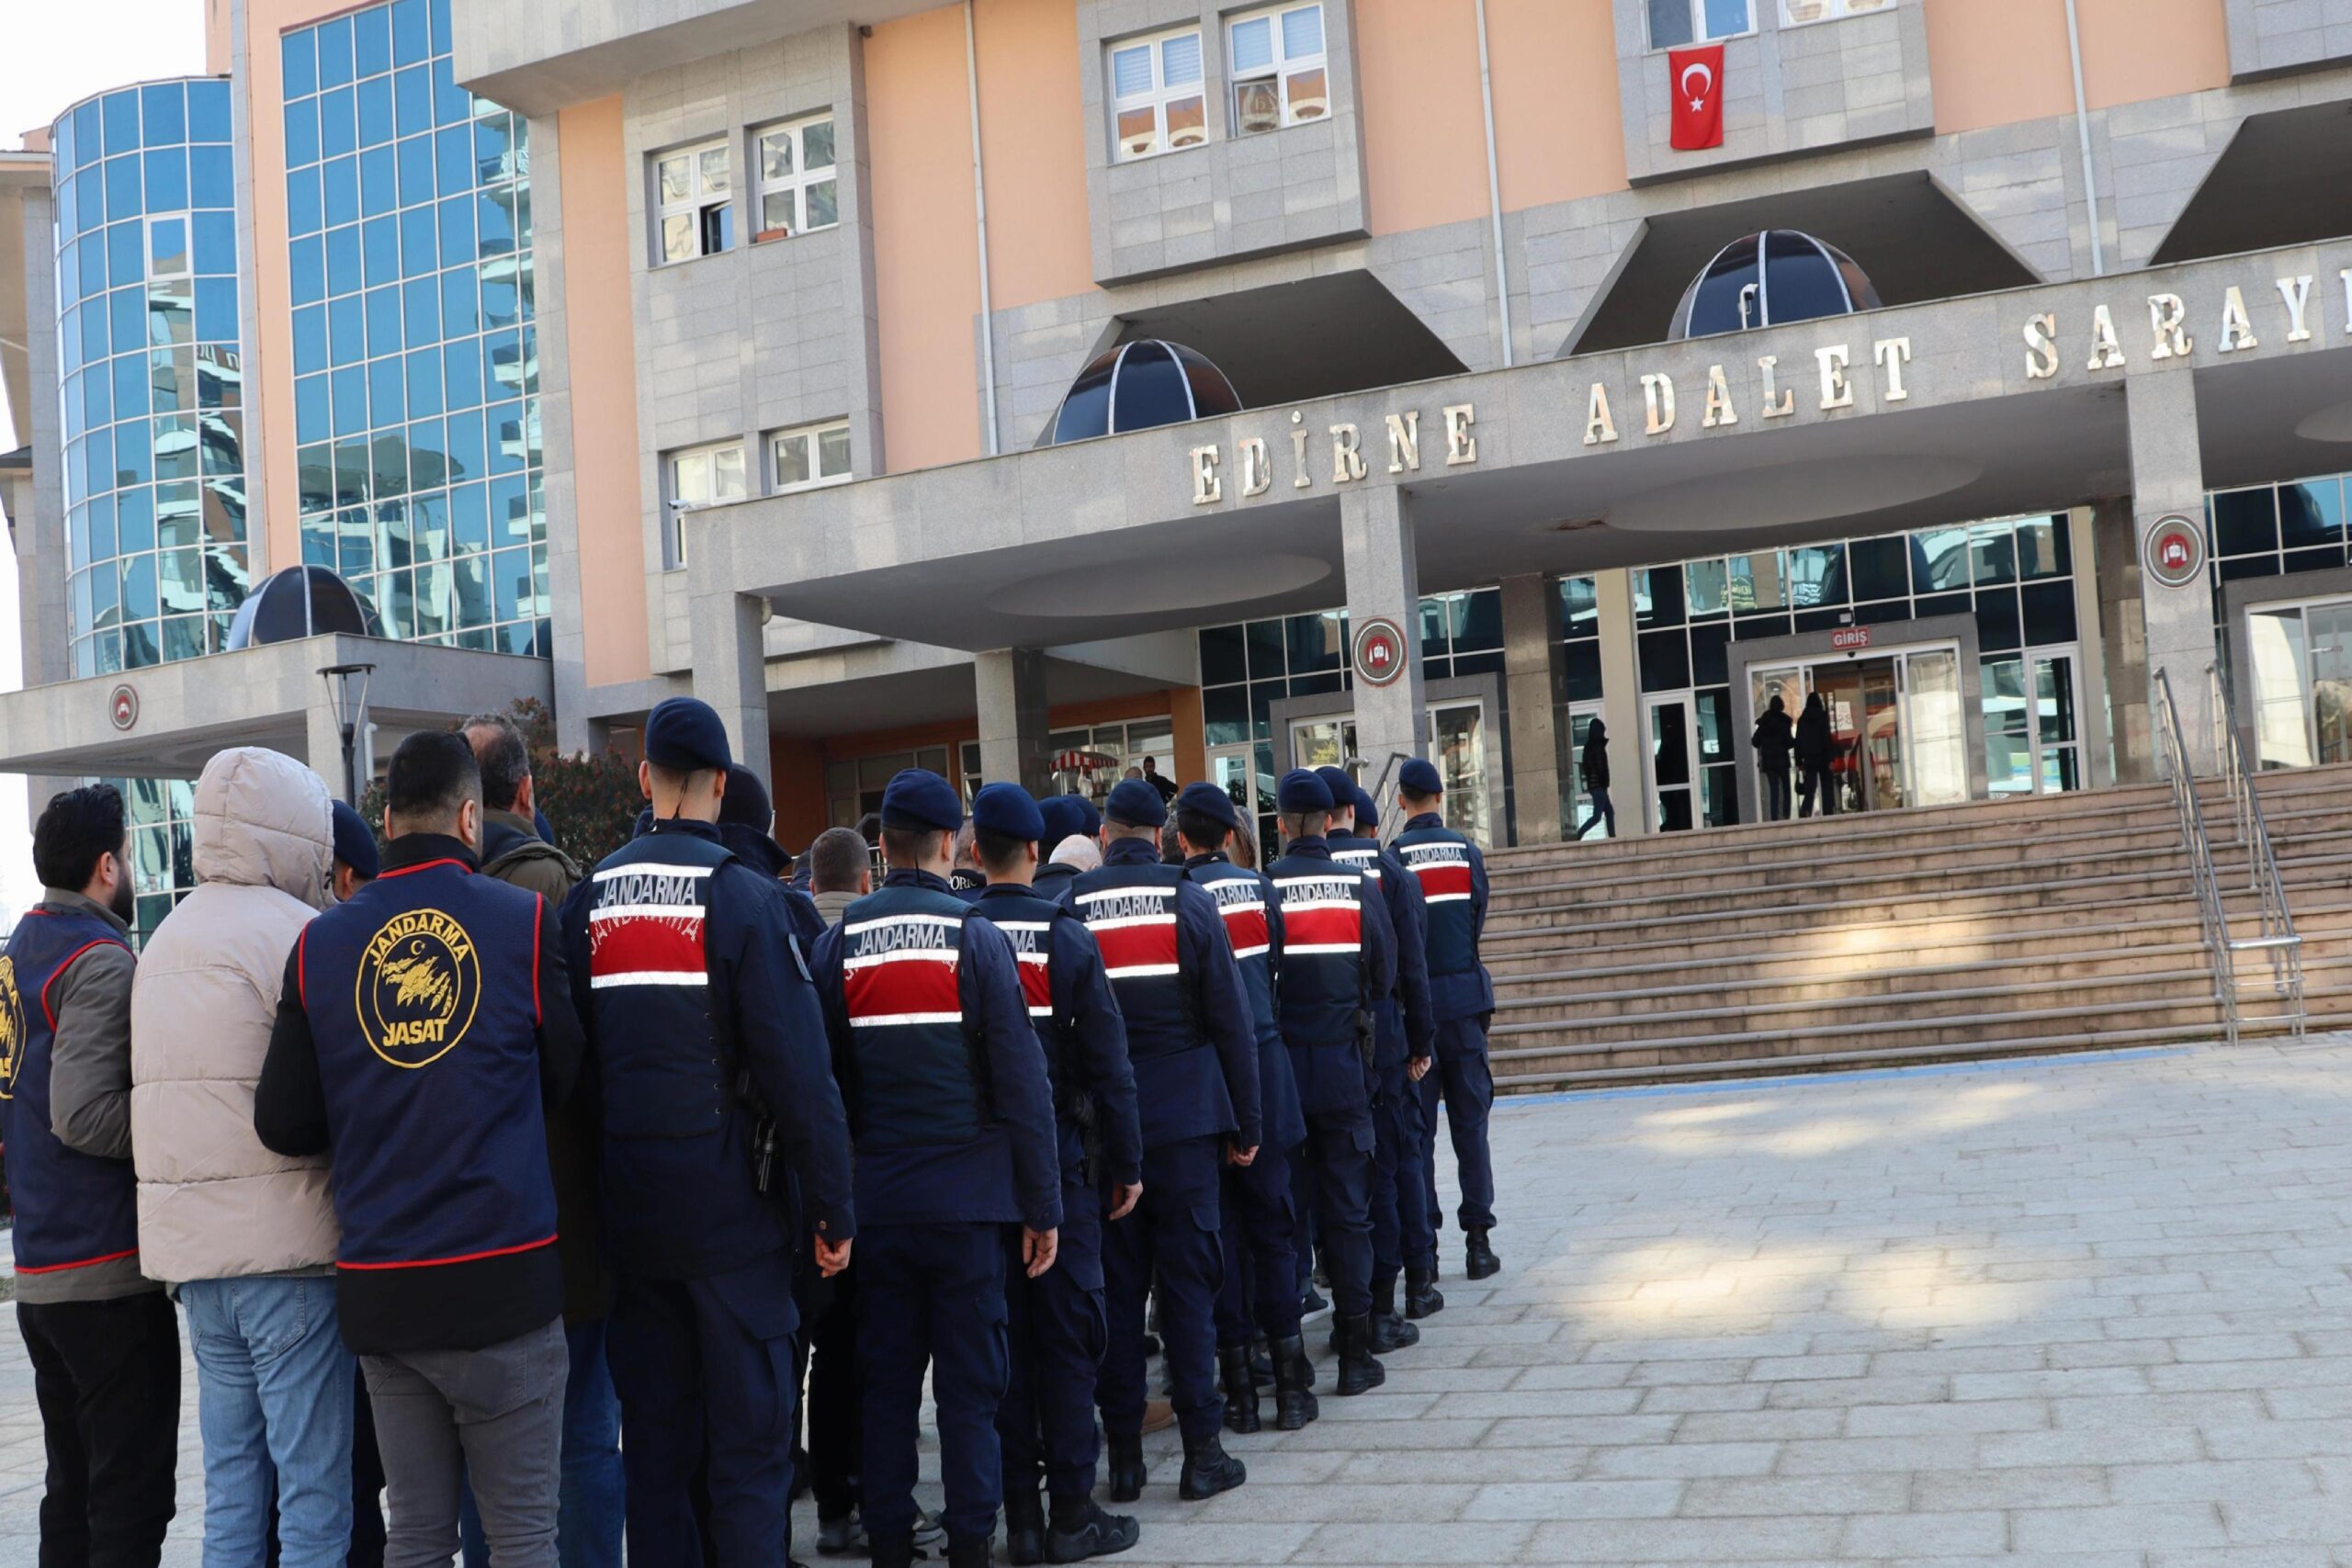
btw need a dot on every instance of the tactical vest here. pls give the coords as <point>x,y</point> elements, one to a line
<point>915,1078</point>
<point>423,997</point>
<point>649,988</point>
<point>1324,991</point>
<point>73,1210</point>
<point>1027,922</point>
<point>1131,910</point>
<point>1439,859</point>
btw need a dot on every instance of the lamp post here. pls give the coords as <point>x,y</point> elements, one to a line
<point>349,684</point>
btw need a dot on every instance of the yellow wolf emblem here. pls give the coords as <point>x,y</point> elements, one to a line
<point>419,984</point>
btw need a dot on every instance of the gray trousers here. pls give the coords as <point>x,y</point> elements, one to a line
<point>493,1416</point>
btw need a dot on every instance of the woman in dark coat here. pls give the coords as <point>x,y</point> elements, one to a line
<point>1775,734</point>
<point>1813,751</point>
<point>1594,768</point>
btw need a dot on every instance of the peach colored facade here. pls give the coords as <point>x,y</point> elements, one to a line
<point>1417,63</point>
<point>1557,136</point>
<point>1031,119</point>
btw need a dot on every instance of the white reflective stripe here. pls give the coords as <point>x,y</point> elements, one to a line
<point>1162,893</point>
<point>947,921</point>
<point>1326,880</point>
<point>648,912</point>
<point>903,954</point>
<point>1022,925</point>
<point>1040,1011</point>
<point>1143,969</point>
<point>1255,907</point>
<point>878,1019</point>
<point>1445,898</point>
<point>1295,906</point>
<point>1039,959</point>
<point>1253,952</point>
<point>1291,947</point>
<point>649,977</point>
<point>650,868</point>
<point>1123,922</point>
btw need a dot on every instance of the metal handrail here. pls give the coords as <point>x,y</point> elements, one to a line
<point>2278,943</point>
<point>2172,758</point>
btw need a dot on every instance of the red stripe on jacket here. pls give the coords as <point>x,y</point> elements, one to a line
<point>1444,876</point>
<point>1322,928</point>
<point>1137,946</point>
<point>918,981</point>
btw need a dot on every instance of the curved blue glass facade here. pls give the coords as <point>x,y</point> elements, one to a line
<point>415,360</point>
<point>150,377</point>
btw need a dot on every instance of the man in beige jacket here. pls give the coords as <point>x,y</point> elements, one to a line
<point>246,1235</point>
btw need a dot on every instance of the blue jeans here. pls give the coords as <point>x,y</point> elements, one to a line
<point>274,1392</point>
<point>588,1523</point>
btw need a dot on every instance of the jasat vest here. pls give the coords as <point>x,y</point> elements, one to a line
<point>1180,1083</point>
<point>73,1210</point>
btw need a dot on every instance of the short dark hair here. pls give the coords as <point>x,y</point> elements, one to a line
<point>78,829</point>
<point>905,846</point>
<point>1201,830</point>
<point>1304,824</point>
<point>838,858</point>
<point>504,757</point>
<point>997,852</point>
<point>1415,797</point>
<point>433,774</point>
<point>678,779</point>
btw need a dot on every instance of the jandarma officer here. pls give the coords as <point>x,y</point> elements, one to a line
<point>1057,1322</point>
<point>954,1120</point>
<point>1194,1049</point>
<point>716,1086</point>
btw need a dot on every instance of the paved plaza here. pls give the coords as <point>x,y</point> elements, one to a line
<point>2095,1311</point>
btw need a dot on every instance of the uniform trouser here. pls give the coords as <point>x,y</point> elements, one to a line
<point>1401,1232</point>
<point>1467,1083</point>
<point>1259,1295</point>
<point>1171,1238</point>
<point>932,1294</point>
<point>1056,1331</point>
<point>827,1349</point>
<point>703,1371</point>
<point>1340,1159</point>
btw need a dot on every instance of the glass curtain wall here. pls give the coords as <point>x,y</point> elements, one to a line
<point>150,374</point>
<point>2301,686</point>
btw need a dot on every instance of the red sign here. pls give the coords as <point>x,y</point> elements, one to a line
<point>1850,636</point>
<point>2175,551</point>
<point>1698,89</point>
<point>1380,652</point>
<point>122,707</point>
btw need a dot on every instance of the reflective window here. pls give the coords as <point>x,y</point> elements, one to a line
<point>1157,104</point>
<point>1674,23</point>
<point>799,192</point>
<point>1280,74</point>
<point>811,455</point>
<point>694,208</point>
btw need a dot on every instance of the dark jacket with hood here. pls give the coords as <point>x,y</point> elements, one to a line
<point>1812,746</point>
<point>1595,762</point>
<point>1775,733</point>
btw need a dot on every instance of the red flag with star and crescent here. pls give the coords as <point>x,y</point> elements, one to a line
<point>1698,86</point>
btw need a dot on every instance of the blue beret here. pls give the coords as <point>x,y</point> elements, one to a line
<point>746,801</point>
<point>1089,819</point>
<point>683,735</point>
<point>1367,814</point>
<point>1062,816</point>
<point>1342,786</point>
<point>1301,790</point>
<point>919,799</point>
<point>1136,804</point>
<point>1420,776</point>
<point>354,842</point>
<point>1006,808</point>
<point>1209,801</point>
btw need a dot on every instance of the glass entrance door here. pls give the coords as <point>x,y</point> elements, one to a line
<point>1458,747</point>
<point>1898,734</point>
<point>1672,740</point>
<point>1575,801</point>
<point>1231,770</point>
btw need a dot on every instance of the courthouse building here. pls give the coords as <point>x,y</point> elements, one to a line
<point>1033,388</point>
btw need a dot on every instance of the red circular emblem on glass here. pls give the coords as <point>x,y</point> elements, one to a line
<point>122,707</point>
<point>2176,551</point>
<point>1380,651</point>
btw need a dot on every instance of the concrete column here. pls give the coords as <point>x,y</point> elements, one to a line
<point>1384,582</point>
<point>1017,743</point>
<point>568,658</point>
<point>2168,476</point>
<point>1531,659</point>
<point>730,672</point>
<point>1620,701</point>
<point>2111,569</point>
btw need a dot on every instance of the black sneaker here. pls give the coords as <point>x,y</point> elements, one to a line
<point>1095,1532</point>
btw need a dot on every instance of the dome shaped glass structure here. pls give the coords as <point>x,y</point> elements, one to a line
<point>300,602</point>
<point>1771,279</point>
<point>1139,384</point>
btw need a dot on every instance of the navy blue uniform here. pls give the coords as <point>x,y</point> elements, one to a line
<point>1405,1029</point>
<point>1259,1227</point>
<point>1338,955</point>
<point>953,1119</point>
<point>1057,1321</point>
<point>763,854</point>
<point>1453,875</point>
<point>1194,1051</point>
<point>685,966</point>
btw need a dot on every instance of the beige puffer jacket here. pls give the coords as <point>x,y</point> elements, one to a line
<point>213,1203</point>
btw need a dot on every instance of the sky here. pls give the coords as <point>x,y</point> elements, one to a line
<point>51,56</point>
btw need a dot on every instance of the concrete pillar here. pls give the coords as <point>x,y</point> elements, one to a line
<point>1383,583</point>
<point>1017,743</point>
<point>1531,660</point>
<point>1621,700</point>
<point>2168,476</point>
<point>730,672</point>
<point>2112,567</point>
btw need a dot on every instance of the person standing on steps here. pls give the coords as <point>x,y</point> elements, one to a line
<point>1592,768</point>
<point>1775,736</point>
<point>1815,749</point>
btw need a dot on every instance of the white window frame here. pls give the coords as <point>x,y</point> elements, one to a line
<point>810,438</point>
<point>1159,97</point>
<point>675,470</point>
<point>697,204</point>
<point>1816,11</point>
<point>793,187</point>
<point>186,222</point>
<point>1281,71</point>
<point>1699,33</point>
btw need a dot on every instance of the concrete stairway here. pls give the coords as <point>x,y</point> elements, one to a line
<point>2007,928</point>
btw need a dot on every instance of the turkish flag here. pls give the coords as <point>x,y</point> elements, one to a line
<point>1697,83</point>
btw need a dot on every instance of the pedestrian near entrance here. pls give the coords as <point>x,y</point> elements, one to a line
<point>433,1012</point>
<point>247,1238</point>
<point>841,872</point>
<point>1592,768</point>
<point>953,1119</point>
<point>104,1345</point>
<point>1453,876</point>
<point>1815,751</point>
<point>1775,737</point>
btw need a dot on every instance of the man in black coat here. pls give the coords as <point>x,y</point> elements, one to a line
<point>1775,734</point>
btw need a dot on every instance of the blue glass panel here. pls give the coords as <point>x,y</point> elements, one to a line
<point>122,186</point>
<point>309,270</point>
<point>216,243</point>
<point>127,318</point>
<point>464,374</point>
<point>371,41</point>
<point>502,360</point>
<point>375,111</point>
<point>387,394</point>
<point>424,381</point>
<point>502,425</point>
<point>96,394</point>
<point>440,12</point>
<point>346,330</point>
<point>338,124</point>
<point>130,382</point>
<point>63,146</point>
<point>469,519</point>
<point>216,310</point>
<point>350,401</point>
<point>88,140</point>
<point>93,265</point>
<point>379,192</point>
<point>208,112</point>
<point>304,212</point>
<point>421,304</point>
<point>163,109</point>
<point>452,105</point>
<point>412,100</point>
<point>428,467</point>
<point>460,310</point>
<point>134,457</point>
<point>343,260</point>
<point>491,149</point>
<point>301,132</point>
<point>457,231</point>
<point>417,259</point>
<point>412,40</point>
<point>168,179</point>
<point>90,198</point>
<point>416,170</point>
<point>297,54</point>
<point>335,52</point>
<point>138,588</point>
<point>126,257</point>
<point>69,208</point>
<point>388,457</point>
<point>341,180</point>
<point>97,460</point>
<point>380,248</point>
<point>211,177</point>
<point>383,320</point>
<point>312,421</point>
<point>465,444</point>
<point>453,159</point>
<point>121,113</point>
<point>135,518</point>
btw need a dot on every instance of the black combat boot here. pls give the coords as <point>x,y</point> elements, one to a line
<point>1359,1373</point>
<point>1024,1527</point>
<point>970,1551</point>
<point>1389,1332</point>
<point>1125,1465</point>
<point>1295,1403</point>
<point>1208,1469</point>
<point>1084,1528</point>
<point>1241,1391</point>
<point>1479,1259</point>
<point>1421,1294</point>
